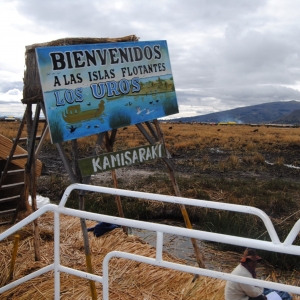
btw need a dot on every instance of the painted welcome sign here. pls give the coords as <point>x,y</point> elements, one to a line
<point>120,159</point>
<point>94,88</point>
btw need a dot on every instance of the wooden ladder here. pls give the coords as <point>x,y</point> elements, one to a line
<point>12,204</point>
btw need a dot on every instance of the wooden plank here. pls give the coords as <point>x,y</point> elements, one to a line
<point>23,139</point>
<point>33,132</point>
<point>120,159</point>
<point>4,223</point>
<point>43,120</point>
<point>66,162</point>
<point>42,139</point>
<point>14,172</point>
<point>18,156</point>
<point>13,185</point>
<point>9,211</point>
<point>13,149</point>
<point>8,199</point>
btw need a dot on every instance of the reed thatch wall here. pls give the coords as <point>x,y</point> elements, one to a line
<point>32,91</point>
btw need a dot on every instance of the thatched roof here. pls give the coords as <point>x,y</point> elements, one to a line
<point>32,90</point>
<point>5,147</point>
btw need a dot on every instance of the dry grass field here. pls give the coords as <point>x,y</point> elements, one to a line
<point>252,165</point>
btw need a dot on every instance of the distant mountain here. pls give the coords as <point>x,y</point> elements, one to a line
<point>255,114</point>
<point>292,118</point>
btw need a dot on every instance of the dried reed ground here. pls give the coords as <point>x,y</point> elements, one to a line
<point>200,136</point>
<point>127,279</point>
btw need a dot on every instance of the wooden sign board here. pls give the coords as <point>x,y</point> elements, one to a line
<point>93,88</point>
<point>120,159</point>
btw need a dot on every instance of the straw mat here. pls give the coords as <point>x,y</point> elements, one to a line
<point>127,279</point>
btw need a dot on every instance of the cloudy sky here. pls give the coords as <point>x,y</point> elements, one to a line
<point>224,53</point>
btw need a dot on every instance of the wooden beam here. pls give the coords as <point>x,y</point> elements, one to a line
<point>42,139</point>
<point>158,135</point>
<point>13,149</point>
<point>32,136</point>
<point>66,162</point>
<point>109,143</point>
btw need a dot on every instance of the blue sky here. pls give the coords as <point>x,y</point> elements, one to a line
<point>224,53</point>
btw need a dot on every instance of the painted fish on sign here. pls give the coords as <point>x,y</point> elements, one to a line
<point>120,159</point>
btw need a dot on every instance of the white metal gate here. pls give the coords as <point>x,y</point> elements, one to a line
<point>274,245</point>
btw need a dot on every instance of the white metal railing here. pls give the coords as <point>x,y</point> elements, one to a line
<point>274,245</point>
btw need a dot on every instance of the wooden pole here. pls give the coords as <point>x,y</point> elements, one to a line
<point>34,208</point>
<point>82,221</point>
<point>109,143</point>
<point>159,137</point>
<point>31,174</point>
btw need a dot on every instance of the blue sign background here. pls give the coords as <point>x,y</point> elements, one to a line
<point>94,88</point>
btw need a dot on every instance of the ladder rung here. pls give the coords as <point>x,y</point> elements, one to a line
<point>13,172</point>
<point>9,211</point>
<point>4,223</point>
<point>13,185</point>
<point>42,120</point>
<point>24,139</point>
<point>8,199</point>
<point>19,156</point>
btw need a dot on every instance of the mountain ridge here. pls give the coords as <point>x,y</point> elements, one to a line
<point>272,112</point>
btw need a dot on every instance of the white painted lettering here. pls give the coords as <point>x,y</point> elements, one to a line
<point>95,163</point>
<point>148,156</point>
<point>154,149</point>
<point>128,159</point>
<point>142,153</point>
<point>106,163</point>
<point>135,157</point>
<point>115,159</point>
<point>159,150</point>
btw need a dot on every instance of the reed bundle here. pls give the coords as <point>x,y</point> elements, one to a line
<point>127,279</point>
<point>32,90</point>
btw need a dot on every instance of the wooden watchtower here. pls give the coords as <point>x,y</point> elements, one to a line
<point>33,99</point>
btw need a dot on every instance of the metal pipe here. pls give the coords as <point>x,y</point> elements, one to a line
<point>286,247</point>
<point>56,256</point>
<point>159,245</point>
<point>26,278</point>
<point>179,200</point>
<point>190,269</point>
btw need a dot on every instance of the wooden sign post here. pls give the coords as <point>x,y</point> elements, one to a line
<point>95,86</point>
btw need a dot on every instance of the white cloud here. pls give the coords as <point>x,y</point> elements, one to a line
<point>10,103</point>
<point>224,53</point>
